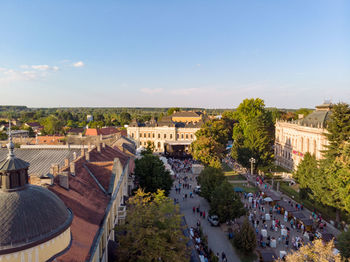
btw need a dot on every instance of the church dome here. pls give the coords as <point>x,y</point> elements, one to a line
<point>29,217</point>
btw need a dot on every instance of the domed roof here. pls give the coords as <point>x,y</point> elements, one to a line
<point>30,216</point>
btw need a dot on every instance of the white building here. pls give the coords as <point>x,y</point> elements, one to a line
<point>295,138</point>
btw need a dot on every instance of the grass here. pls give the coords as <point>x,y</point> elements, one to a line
<point>234,176</point>
<point>245,188</point>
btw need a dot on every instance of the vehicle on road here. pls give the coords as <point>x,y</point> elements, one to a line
<point>197,189</point>
<point>213,220</point>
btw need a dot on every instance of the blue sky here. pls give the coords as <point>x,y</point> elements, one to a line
<point>193,53</point>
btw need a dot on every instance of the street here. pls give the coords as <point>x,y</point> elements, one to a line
<point>217,240</point>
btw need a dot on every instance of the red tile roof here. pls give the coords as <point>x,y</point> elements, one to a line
<point>102,131</point>
<point>87,201</point>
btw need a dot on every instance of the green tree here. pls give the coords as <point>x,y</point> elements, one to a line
<point>306,174</point>
<point>210,145</point>
<point>151,175</point>
<point>52,125</point>
<point>172,110</point>
<point>226,203</point>
<point>338,128</point>
<point>209,179</point>
<point>253,135</point>
<point>3,136</point>
<point>343,244</point>
<point>245,238</point>
<point>153,230</point>
<point>208,151</point>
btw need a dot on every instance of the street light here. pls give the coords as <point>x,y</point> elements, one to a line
<point>252,162</point>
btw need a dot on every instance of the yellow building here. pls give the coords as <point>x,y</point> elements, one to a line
<point>172,134</point>
<point>34,222</point>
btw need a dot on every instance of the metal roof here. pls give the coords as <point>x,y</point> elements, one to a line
<point>40,159</point>
<point>30,216</point>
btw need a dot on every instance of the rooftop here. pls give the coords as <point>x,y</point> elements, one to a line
<point>40,159</point>
<point>87,200</point>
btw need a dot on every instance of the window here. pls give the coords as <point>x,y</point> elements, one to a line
<point>158,135</point>
<point>158,144</point>
<point>171,136</point>
<point>191,136</point>
<point>153,135</point>
<point>132,135</point>
<point>140,134</point>
<point>186,136</point>
<point>149,134</point>
<point>182,136</point>
<point>178,136</point>
<point>164,135</point>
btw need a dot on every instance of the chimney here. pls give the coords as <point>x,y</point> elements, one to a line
<point>64,180</point>
<point>74,155</point>
<point>82,151</point>
<point>72,168</point>
<point>87,156</point>
<point>66,162</point>
<point>99,147</point>
<point>54,169</point>
<point>89,146</point>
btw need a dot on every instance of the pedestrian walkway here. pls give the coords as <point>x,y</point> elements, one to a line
<point>217,240</point>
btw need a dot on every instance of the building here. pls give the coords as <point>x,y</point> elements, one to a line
<point>34,222</point>
<point>172,134</point>
<point>295,138</point>
<point>94,184</point>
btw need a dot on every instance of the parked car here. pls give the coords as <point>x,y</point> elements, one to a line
<point>197,189</point>
<point>213,220</point>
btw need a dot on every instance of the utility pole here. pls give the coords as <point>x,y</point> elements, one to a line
<point>252,162</point>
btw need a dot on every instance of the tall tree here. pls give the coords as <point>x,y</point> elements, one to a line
<point>209,179</point>
<point>253,135</point>
<point>151,175</point>
<point>211,141</point>
<point>245,238</point>
<point>306,174</point>
<point>153,230</point>
<point>226,203</point>
<point>338,128</point>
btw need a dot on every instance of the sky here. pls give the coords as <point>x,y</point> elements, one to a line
<point>186,53</point>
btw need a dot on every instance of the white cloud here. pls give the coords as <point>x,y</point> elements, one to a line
<point>151,91</point>
<point>41,67</point>
<point>79,64</point>
<point>186,91</point>
<point>198,65</point>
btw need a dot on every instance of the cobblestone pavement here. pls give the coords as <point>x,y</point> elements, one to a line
<point>217,239</point>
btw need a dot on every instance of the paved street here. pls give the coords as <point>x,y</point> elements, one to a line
<point>217,239</point>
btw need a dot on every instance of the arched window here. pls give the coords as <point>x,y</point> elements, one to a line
<point>158,144</point>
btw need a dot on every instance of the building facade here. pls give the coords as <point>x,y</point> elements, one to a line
<point>167,134</point>
<point>295,138</point>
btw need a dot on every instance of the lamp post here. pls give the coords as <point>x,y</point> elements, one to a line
<point>252,162</point>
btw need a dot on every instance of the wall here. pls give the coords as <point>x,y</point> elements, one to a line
<point>42,252</point>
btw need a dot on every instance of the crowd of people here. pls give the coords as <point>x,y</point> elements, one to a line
<point>180,166</point>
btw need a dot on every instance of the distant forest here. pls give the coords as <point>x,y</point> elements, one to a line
<point>59,120</point>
